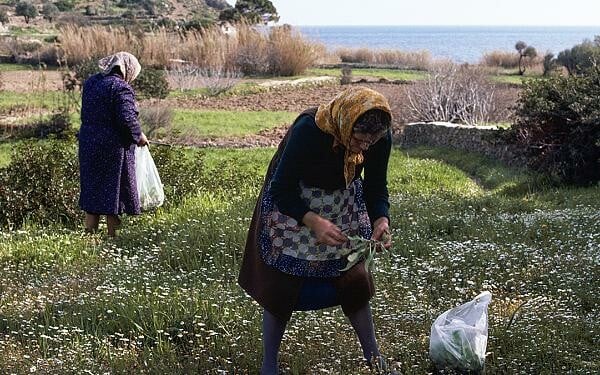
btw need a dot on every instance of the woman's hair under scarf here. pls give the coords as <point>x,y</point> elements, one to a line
<point>128,65</point>
<point>339,116</point>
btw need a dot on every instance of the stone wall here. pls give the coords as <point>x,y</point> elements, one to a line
<point>481,139</point>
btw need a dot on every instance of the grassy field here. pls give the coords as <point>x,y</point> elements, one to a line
<point>14,67</point>
<point>163,297</point>
<point>193,123</point>
<point>15,101</point>
<point>390,74</point>
<point>5,153</point>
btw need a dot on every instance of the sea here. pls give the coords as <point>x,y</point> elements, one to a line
<point>458,43</point>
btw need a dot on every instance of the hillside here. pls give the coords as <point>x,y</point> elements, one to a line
<point>167,12</point>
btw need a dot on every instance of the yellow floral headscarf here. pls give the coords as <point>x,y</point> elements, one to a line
<point>127,63</point>
<point>338,117</point>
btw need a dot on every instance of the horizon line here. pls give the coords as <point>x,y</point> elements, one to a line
<point>439,25</point>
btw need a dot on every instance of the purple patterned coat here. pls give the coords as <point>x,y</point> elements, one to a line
<point>108,136</point>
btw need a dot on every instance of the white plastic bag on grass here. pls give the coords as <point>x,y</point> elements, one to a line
<point>149,187</point>
<point>459,336</point>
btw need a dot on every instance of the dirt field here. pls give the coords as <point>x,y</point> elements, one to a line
<point>31,80</point>
<point>279,98</point>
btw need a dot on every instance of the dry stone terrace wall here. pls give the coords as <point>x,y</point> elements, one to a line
<point>480,139</point>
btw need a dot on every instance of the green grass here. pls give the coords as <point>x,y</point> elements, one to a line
<point>242,88</point>
<point>5,149</point>
<point>23,101</point>
<point>513,77</point>
<point>163,297</point>
<point>227,123</point>
<point>390,74</point>
<point>14,67</point>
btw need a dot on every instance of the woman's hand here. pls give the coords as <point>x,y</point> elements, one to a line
<point>325,231</point>
<point>143,140</point>
<point>381,232</point>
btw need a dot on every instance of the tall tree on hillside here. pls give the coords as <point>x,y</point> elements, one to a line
<point>525,51</point>
<point>26,9</point>
<point>253,11</point>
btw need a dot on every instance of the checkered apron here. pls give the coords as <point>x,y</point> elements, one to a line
<point>292,248</point>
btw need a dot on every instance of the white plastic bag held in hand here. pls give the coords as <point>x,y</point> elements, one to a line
<point>149,187</point>
<point>459,336</point>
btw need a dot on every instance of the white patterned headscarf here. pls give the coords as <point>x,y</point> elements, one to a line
<point>127,63</point>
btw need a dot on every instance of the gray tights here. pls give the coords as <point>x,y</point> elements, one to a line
<point>274,328</point>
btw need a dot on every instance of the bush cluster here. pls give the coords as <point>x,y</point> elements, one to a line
<point>180,171</point>
<point>558,123</point>
<point>581,58</point>
<point>41,184</point>
<point>151,83</point>
<point>453,93</point>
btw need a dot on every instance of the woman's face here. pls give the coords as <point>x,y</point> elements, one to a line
<point>362,141</point>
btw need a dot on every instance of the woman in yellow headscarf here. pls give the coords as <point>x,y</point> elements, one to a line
<point>327,181</point>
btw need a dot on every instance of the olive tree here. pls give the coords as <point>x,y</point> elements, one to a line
<point>27,10</point>
<point>525,51</point>
<point>49,11</point>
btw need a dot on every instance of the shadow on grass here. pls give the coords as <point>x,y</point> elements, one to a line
<point>490,174</point>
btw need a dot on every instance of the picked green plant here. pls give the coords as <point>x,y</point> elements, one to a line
<point>364,249</point>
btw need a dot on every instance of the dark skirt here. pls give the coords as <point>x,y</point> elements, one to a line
<point>107,179</point>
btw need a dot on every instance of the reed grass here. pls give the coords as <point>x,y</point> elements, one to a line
<point>419,60</point>
<point>278,51</point>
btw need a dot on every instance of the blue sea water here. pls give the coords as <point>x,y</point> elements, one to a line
<point>459,43</point>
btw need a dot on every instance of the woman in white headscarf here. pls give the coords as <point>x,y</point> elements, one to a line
<point>109,133</point>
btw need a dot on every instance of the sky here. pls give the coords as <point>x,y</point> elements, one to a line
<point>438,12</point>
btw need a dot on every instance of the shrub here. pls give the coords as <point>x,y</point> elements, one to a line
<point>420,60</point>
<point>558,123</point>
<point>65,5</point>
<point>581,58</point>
<point>289,53</point>
<point>180,171</point>
<point>74,78</point>
<point>251,53</point>
<point>41,184</point>
<point>50,11</point>
<point>500,59</point>
<point>549,64</point>
<point>182,76</point>
<point>346,76</point>
<point>156,120</point>
<point>453,93</point>
<point>27,10</point>
<point>73,19</point>
<point>218,81</point>
<point>151,83</point>
<point>3,15</point>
